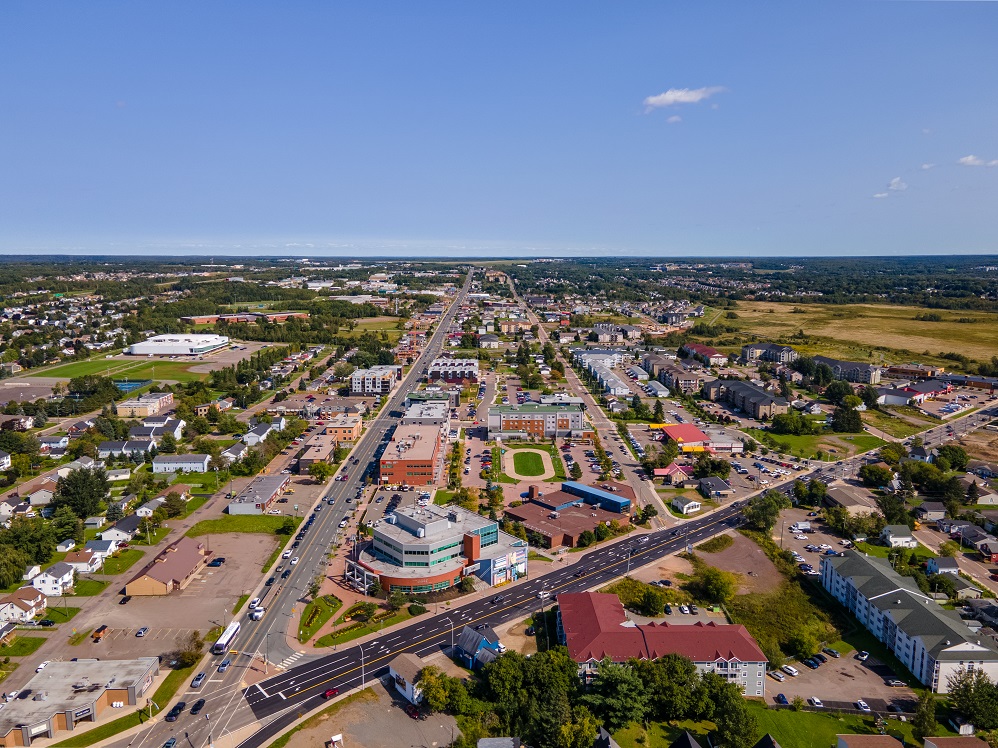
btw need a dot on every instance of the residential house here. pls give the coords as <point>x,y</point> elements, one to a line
<point>76,429</point>
<point>686,505</point>
<point>137,450</point>
<point>194,463</point>
<point>65,546</point>
<point>257,434</point>
<point>704,353</point>
<point>56,580</point>
<point>488,341</point>
<point>477,648</point>
<point>50,443</point>
<point>118,474</point>
<point>713,487</point>
<point>234,453</point>
<point>746,397</point>
<point>898,536</point>
<point>781,354</point>
<point>81,463</point>
<point>103,549</point>
<point>147,509</point>
<point>930,511</point>
<point>851,371</point>
<point>23,604</point>
<point>674,474</point>
<point>123,530</point>
<point>5,462</point>
<point>942,565</point>
<point>84,562</point>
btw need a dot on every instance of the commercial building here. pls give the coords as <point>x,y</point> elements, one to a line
<point>595,626</point>
<point>74,692</point>
<point>428,413</point>
<point>378,380</point>
<point>319,448</point>
<point>933,643</point>
<point>171,570</point>
<point>147,405</point>
<point>452,396</point>
<point>259,495</point>
<point>851,371</point>
<point>178,345</point>
<point>754,401</point>
<point>686,436</point>
<point>414,457</point>
<point>453,370</point>
<point>532,420</point>
<point>562,516</point>
<point>423,549</point>
<point>779,354</point>
<point>915,371</point>
<point>343,428</point>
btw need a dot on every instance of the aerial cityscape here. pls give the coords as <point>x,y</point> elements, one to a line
<point>499,376</point>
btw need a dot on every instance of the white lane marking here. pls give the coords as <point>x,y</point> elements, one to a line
<point>265,694</point>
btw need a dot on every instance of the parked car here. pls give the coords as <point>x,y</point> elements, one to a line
<point>862,656</point>
<point>781,699</point>
<point>834,653</point>
<point>124,600</point>
<point>790,670</point>
<point>142,632</point>
<point>863,706</point>
<point>816,702</point>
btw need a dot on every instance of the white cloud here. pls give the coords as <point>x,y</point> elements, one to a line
<point>897,185</point>
<point>681,96</point>
<point>970,161</point>
<point>993,163</point>
<point>675,118</point>
<point>881,195</point>
<point>926,167</point>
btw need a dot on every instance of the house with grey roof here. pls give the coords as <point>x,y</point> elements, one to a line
<point>933,643</point>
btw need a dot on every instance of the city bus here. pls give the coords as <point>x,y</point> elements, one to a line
<point>224,642</point>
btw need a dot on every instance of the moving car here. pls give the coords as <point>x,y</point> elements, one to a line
<point>254,603</point>
<point>198,679</point>
<point>170,743</point>
<point>224,665</point>
<point>198,706</point>
<point>330,693</point>
<point>862,656</point>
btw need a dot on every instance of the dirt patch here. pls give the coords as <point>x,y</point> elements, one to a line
<point>981,445</point>
<point>673,568</point>
<point>515,638</point>
<point>756,572</point>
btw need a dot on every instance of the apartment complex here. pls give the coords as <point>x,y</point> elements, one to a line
<point>423,549</point>
<point>851,371</point>
<point>594,626</point>
<point>754,401</point>
<point>537,421</point>
<point>414,457</point>
<point>378,380</point>
<point>779,354</point>
<point>933,643</point>
<point>453,370</point>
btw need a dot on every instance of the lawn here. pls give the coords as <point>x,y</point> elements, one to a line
<point>443,497</point>
<point>402,614</point>
<point>61,614</point>
<point>806,729</point>
<point>239,603</point>
<point>882,551</point>
<point>535,556</point>
<point>122,562</point>
<point>528,463</point>
<point>79,637</point>
<point>152,538</point>
<point>22,646</point>
<point>841,445</point>
<point>860,332</point>
<point>266,524</point>
<point>316,613</point>
<point>88,587</point>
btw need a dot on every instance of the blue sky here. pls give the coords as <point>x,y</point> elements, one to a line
<point>485,128</point>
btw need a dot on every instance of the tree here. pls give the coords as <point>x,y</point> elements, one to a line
<point>893,453</point>
<point>580,731</point>
<point>617,695</point>
<point>714,585</point>
<point>973,493</point>
<point>602,532</point>
<point>956,455</point>
<point>191,648</point>
<point>66,525</point>
<point>576,471</point>
<point>375,589</point>
<point>652,602</point>
<point>837,390</point>
<point>396,600</point>
<point>847,421</point>
<point>168,444</point>
<point>13,562</point>
<point>82,490</point>
<point>949,548</point>
<point>114,512</point>
<point>659,412</point>
<point>467,584</point>
<point>972,694</point>
<point>35,537</point>
<point>923,724</point>
<point>763,510</point>
<point>320,471</point>
<point>736,725</point>
<point>586,539</point>
<point>174,504</point>
<point>875,476</point>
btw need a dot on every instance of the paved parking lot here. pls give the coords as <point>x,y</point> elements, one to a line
<point>839,683</point>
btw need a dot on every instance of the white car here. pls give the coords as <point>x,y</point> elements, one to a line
<point>777,675</point>
<point>294,561</point>
<point>790,670</point>
<point>863,706</point>
<point>254,603</point>
<point>41,666</point>
<point>801,537</point>
<point>286,554</point>
<point>816,702</point>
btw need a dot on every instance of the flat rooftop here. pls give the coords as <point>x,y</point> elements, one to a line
<point>72,685</point>
<point>428,409</point>
<point>435,522</point>
<point>572,520</point>
<point>411,442</point>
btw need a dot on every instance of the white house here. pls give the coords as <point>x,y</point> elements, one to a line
<point>197,463</point>
<point>942,565</point>
<point>118,474</point>
<point>234,453</point>
<point>56,580</point>
<point>65,546</point>
<point>257,434</point>
<point>104,549</point>
<point>53,442</point>
<point>404,670</point>
<point>685,505</point>
<point>149,507</point>
<point>898,536</point>
<point>22,605</point>
<point>4,461</point>
<point>84,562</point>
<point>123,530</point>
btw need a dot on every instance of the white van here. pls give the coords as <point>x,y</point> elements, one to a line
<point>257,614</point>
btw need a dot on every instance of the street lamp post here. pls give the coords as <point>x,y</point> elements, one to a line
<point>451,622</point>
<point>362,679</point>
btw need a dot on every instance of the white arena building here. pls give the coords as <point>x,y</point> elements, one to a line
<point>178,345</point>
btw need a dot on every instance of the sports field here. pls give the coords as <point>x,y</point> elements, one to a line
<point>121,368</point>
<point>528,463</point>
<point>861,332</point>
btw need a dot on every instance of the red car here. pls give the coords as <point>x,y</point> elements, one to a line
<point>412,711</point>
<point>330,693</point>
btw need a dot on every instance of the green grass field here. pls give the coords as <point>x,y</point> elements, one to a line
<point>241,523</point>
<point>22,646</point>
<point>860,332</point>
<point>899,428</point>
<point>122,562</point>
<point>122,368</point>
<point>88,587</point>
<point>316,613</point>
<point>841,445</point>
<point>60,614</point>
<point>528,463</point>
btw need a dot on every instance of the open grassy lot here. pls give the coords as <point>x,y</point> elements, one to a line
<point>88,587</point>
<point>841,445</point>
<point>528,463</point>
<point>241,523</point>
<point>22,646</point>
<point>82,368</point>
<point>860,332</point>
<point>61,614</point>
<point>137,368</point>
<point>882,551</point>
<point>122,562</point>
<point>897,427</point>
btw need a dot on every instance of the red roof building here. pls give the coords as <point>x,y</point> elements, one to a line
<point>594,626</point>
<point>687,436</point>
<point>705,353</point>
